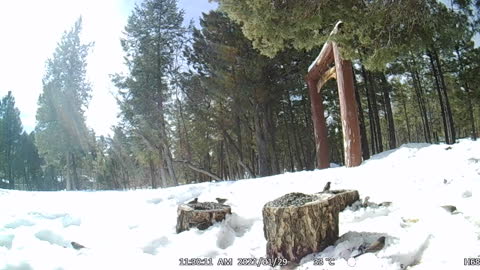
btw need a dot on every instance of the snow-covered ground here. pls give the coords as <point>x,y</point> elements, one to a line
<point>136,229</point>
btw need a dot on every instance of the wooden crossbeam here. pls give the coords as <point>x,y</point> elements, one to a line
<point>326,76</point>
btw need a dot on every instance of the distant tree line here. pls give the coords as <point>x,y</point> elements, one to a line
<point>209,104</point>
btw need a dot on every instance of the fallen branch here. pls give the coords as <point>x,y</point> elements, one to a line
<point>197,169</point>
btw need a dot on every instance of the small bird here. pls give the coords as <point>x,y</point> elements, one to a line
<point>327,187</point>
<point>221,200</point>
<point>365,201</point>
<point>193,201</point>
<point>386,204</point>
<point>374,247</point>
<point>76,245</point>
<point>449,208</point>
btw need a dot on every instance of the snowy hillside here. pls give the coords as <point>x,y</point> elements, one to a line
<point>136,229</point>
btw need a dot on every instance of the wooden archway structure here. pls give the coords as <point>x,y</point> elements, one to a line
<point>318,74</point>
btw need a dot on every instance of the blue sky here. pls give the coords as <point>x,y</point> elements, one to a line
<point>30,30</point>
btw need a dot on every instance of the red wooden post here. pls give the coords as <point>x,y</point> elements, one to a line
<point>348,110</point>
<point>319,126</point>
<point>315,72</point>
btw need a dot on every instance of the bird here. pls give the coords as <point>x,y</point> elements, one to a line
<point>374,247</point>
<point>76,245</point>
<point>327,187</point>
<point>193,201</point>
<point>365,201</point>
<point>386,204</point>
<point>449,208</point>
<point>221,200</point>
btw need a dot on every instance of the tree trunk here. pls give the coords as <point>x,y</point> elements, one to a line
<point>307,151</point>
<point>405,113</point>
<point>261,140</point>
<point>446,127</point>
<point>469,99</point>
<point>287,136</point>
<point>269,131</point>
<point>448,110</point>
<point>298,149</point>
<point>152,173</point>
<point>363,130</point>
<point>417,84</point>
<point>389,113</point>
<point>371,118</point>
<point>376,116</point>
<point>470,113</point>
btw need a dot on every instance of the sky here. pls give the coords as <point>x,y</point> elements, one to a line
<point>30,31</point>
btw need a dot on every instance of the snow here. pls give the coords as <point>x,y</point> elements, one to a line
<point>136,229</point>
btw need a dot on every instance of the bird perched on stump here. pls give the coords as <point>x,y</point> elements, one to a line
<point>77,246</point>
<point>327,187</point>
<point>374,247</point>
<point>193,201</point>
<point>221,200</point>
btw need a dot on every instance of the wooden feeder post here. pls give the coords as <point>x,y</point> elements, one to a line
<point>319,125</point>
<point>348,110</point>
<point>318,74</point>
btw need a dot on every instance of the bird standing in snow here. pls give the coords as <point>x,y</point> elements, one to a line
<point>449,208</point>
<point>193,201</point>
<point>77,246</point>
<point>365,201</point>
<point>221,200</point>
<point>374,247</point>
<point>327,187</point>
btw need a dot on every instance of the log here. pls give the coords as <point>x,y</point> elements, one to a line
<point>200,215</point>
<point>298,224</point>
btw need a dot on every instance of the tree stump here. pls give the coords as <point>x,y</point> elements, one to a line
<point>200,215</point>
<point>298,224</point>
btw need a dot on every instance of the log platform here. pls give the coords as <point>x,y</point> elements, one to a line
<point>200,215</point>
<point>298,224</point>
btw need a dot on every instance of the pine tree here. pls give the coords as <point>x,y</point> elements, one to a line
<point>10,135</point>
<point>62,135</point>
<point>153,36</point>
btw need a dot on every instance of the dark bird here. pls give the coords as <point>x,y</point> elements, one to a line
<point>327,187</point>
<point>221,200</point>
<point>449,208</point>
<point>374,247</point>
<point>386,204</point>
<point>193,201</point>
<point>448,148</point>
<point>76,245</point>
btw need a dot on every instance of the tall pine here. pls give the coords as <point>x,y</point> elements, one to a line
<point>62,135</point>
<point>153,35</point>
